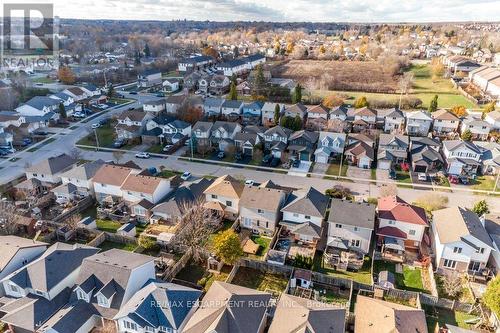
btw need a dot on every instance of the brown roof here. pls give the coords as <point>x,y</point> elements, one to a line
<point>375,315</point>
<point>366,111</point>
<point>261,197</point>
<point>226,186</point>
<point>111,175</point>
<point>141,183</point>
<point>395,208</point>
<point>319,109</point>
<point>76,91</point>
<point>443,114</point>
<point>132,115</point>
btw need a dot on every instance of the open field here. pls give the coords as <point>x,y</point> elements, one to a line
<point>339,75</point>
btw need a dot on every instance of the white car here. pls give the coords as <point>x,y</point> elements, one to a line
<point>186,175</point>
<point>142,155</point>
<point>78,115</point>
<point>422,177</point>
<point>249,182</point>
<point>167,148</point>
<point>96,125</point>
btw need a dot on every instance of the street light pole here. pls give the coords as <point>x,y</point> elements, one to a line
<point>96,139</point>
<point>496,182</point>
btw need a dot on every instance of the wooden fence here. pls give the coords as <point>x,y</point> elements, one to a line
<point>80,207</point>
<point>266,267</point>
<point>98,240</point>
<point>172,271</point>
<point>429,270</point>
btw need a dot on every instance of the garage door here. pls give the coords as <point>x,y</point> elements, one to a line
<point>247,151</point>
<point>321,159</point>
<point>420,168</point>
<point>384,165</point>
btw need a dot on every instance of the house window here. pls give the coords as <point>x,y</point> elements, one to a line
<point>295,215</point>
<point>355,242</point>
<point>338,226</point>
<point>260,211</point>
<point>81,295</point>
<point>102,301</point>
<point>392,222</point>
<point>480,250</point>
<point>130,326</point>
<point>149,329</point>
<point>412,232</point>
<point>214,196</point>
<point>258,223</point>
<point>457,249</point>
<point>35,175</point>
<point>103,185</point>
<point>356,229</point>
<point>229,203</point>
<point>449,263</point>
<point>14,288</point>
<point>307,217</point>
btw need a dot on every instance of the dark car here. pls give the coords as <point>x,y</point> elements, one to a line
<point>26,142</point>
<point>221,155</point>
<point>238,156</point>
<point>160,95</point>
<point>296,163</point>
<point>119,143</point>
<point>41,132</point>
<point>3,152</point>
<point>392,174</point>
<point>267,158</point>
<point>133,93</point>
<point>464,180</point>
<point>275,162</point>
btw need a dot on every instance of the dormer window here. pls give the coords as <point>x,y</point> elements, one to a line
<point>102,301</point>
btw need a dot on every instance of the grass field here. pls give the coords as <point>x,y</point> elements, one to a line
<point>443,316</point>
<point>106,135</point>
<point>423,88</point>
<point>410,279</point>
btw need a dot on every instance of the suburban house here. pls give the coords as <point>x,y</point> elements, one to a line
<point>149,78</point>
<point>445,122</point>
<point>48,171</point>
<point>77,181</point>
<point>226,307</point>
<point>39,106</point>
<point>314,316</point>
<point>223,134</point>
<point>135,316</point>
<point>490,156</point>
<point>360,152</point>
<point>131,124</point>
<point>339,113</point>
<point>232,109</point>
<point>78,94</point>
<point>174,102</point>
<point>153,133</point>
<point>259,209</point>
<point>418,123</point>
<point>350,226</point>
<point>425,154</point>
<point>364,118</point>
<point>224,195</point>
<point>330,145</point>
<point>492,225</point>
<point>461,242</point>
<point>462,158</point>
<point>268,110</point>
<point>16,253</point>
<point>155,105</point>
<point>212,106</point>
<point>232,67</point>
<point>195,63</point>
<point>175,131</point>
<point>302,144</point>
<point>252,112</point>
<point>275,136</point>
<point>479,128</point>
<point>393,120</point>
<point>295,110</point>
<point>377,315</point>
<point>68,102</point>
<point>45,283</point>
<point>171,85</point>
<point>304,207</point>
<point>401,227</point>
<point>392,150</point>
<point>215,84</point>
<point>317,117</point>
<point>493,118</point>
<point>201,132</point>
<point>246,141</point>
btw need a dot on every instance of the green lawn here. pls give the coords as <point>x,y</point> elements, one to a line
<point>333,169</point>
<point>410,279</point>
<point>106,135</point>
<point>443,316</point>
<point>364,275</point>
<point>107,225</point>
<point>403,177</point>
<point>165,173</point>
<point>263,248</point>
<point>196,273</point>
<point>108,245</point>
<point>43,80</point>
<point>485,183</point>
<point>255,279</point>
<point>91,211</point>
<point>156,149</point>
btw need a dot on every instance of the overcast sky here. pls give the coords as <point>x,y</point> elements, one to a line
<point>282,10</point>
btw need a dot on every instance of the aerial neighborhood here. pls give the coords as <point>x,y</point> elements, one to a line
<point>203,176</point>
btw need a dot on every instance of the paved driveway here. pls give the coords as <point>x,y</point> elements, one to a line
<point>383,175</point>
<point>301,170</point>
<point>319,168</point>
<point>355,172</point>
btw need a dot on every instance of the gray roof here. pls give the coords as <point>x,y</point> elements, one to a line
<point>85,171</point>
<point>52,267</point>
<point>400,140</point>
<point>71,317</point>
<point>52,165</point>
<point>307,135</point>
<point>30,312</point>
<point>227,125</point>
<point>357,214</point>
<point>203,126</point>
<point>390,113</point>
<point>228,308</point>
<point>492,226</point>
<point>311,203</point>
<point>306,228</point>
<point>39,102</point>
<point>127,227</point>
<point>144,310</point>
<point>213,102</point>
<point>232,104</point>
<point>243,137</point>
<point>281,131</point>
<point>457,144</point>
<point>339,110</point>
<point>10,245</point>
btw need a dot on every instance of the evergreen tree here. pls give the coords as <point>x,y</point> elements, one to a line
<point>233,94</point>
<point>147,51</point>
<point>297,123</point>
<point>467,135</point>
<point>277,114</point>
<point>434,104</point>
<point>62,111</point>
<point>297,95</point>
<point>111,91</point>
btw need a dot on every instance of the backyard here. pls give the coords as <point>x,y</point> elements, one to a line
<point>463,295</point>
<point>108,245</point>
<point>364,275</point>
<point>255,279</point>
<point>263,243</point>
<point>196,273</point>
<point>108,225</point>
<point>442,316</point>
<point>410,279</point>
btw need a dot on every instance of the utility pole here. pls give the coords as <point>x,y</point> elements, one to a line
<point>341,159</point>
<point>191,146</point>
<point>496,182</point>
<point>96,140</point>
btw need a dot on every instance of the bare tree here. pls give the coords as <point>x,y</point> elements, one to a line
<point>72,221</point>
<point>117,156</point>
<point>9,219</point>
<point>197,223</point>
<point>452,284</point>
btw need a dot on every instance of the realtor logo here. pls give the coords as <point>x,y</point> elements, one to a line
<point>29,37</point>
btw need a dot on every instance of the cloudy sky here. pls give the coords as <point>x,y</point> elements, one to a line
<point>282,10</point>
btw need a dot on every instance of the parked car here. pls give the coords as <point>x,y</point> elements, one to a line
<point>160,95</point>
<point>79,115</point>
<point>167,148</point>
<point>274,162</point>
<point>464,180</point>
<point>392,174</point>
<point>296,163</point>
<point>453,179</point>
<point>422,176</point>
<point>186,175</point>
<point>142,155</point>
<point>26,142</point>
<point>133,93</point>
<point>96,125</point>
<point>3,152</point>
<point>41,132</point>
<point>267,158</point>
<point>8,149</point>
<point>119,143</point>
<point>249,182</point>
<point>238,156</point>
<point>221,155</point>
